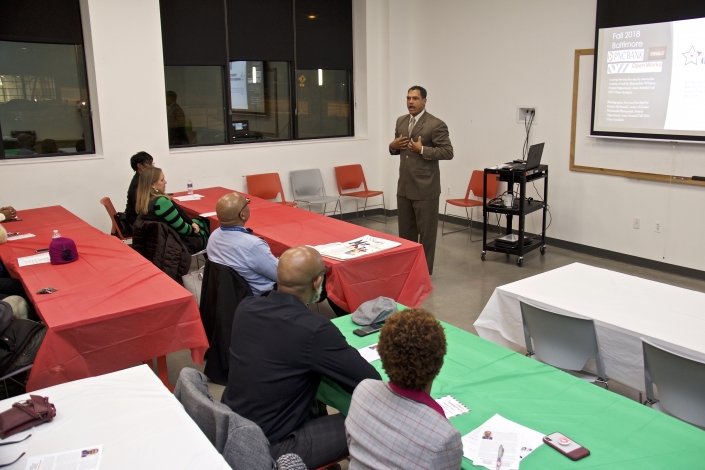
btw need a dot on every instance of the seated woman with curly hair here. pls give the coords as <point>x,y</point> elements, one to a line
<point>397,424</point>
<point>153,202</point>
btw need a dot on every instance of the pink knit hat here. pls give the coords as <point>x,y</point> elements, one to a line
<point>62,250</point>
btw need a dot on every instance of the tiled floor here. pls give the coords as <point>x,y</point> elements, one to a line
<point>463,283</point>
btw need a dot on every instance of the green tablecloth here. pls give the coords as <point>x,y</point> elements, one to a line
<point>488,379</point>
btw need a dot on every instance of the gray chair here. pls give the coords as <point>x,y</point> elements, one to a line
<point>241,442</point>
<point>11,376</point>
<point>680,382</point>
<point>308,187</point>
<point>563,342</point>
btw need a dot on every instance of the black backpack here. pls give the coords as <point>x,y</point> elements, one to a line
<point>19,341</point>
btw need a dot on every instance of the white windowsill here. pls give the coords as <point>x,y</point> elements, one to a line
<point>72,158</point>
<point>266,143</point>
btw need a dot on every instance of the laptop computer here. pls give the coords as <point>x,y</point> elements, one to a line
<point>241,128</point>
<point>532,161</point>
<point>512,241</point>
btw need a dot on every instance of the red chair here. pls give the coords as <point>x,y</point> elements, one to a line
<point>267,186</point>
<point>351,177</point>
<point>476,187</point>
<point>111,212</point>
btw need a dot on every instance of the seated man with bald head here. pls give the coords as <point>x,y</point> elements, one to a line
<point>235,246</point>
<point>280,351</point>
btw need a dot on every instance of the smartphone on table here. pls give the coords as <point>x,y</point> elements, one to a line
<point>369,329</point>
<point>566,446</point>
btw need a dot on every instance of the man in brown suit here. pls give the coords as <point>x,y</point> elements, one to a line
<point>420,140</point>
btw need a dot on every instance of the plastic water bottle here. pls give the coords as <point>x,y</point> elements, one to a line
<point>189,186</point>
<point>56,234</point>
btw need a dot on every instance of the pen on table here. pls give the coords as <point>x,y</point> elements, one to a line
<point>500,453</point>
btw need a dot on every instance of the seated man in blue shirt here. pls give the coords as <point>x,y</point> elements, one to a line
<point>235,246</point>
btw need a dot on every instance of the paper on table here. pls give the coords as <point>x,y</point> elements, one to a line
<point>487,451</point>
<point>451,406</point>
<point>208,214</point>
<point>20,237</point>
<point>34,259</point>
<point>355,248</point>
<point>87,458</point>
<point>190,197</point>
<point>528,441</point>
<point>369,353</point>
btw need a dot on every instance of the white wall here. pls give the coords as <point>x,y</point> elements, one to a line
<point>126,77</point>
<point>479,60</point>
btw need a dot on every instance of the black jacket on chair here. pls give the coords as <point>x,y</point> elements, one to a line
<point>161,245</point>
<point>221,292</point>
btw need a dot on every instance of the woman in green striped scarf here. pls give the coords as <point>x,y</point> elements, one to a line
<point>153,202</point>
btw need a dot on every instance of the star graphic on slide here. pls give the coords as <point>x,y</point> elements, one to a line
<point>691,56</point>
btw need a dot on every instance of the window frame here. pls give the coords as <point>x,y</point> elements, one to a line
<point>82,66</point>
<point>232,56</point>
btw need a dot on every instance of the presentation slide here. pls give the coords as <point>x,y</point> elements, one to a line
<point>246,86</point>
<point>650,79</point>
<point>238,84</point>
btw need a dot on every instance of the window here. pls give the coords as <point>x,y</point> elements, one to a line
<point>194,105</point>
<point>273,53</point>
<point>323,103</point>
<point>259,98</point>
<point>44,104</point>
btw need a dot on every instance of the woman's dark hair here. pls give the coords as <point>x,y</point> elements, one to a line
<point>411,345</point>
<point>140,157</point>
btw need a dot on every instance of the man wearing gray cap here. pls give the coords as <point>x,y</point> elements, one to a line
<point>235,246</point>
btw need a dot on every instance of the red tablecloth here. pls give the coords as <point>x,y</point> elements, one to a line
<point>113,308</point>
<point>400,273</point>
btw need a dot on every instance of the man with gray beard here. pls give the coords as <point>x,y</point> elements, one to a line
<point>280,351</point>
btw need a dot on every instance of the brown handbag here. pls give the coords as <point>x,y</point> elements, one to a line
<point>26,414</point>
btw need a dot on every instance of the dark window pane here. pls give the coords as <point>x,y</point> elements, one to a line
<point>44,106</point>
<point>55,21</point>
<point>324,38</point>
<point>323,103</point>
<point>195,105</point>
<point>193,32</point>
<point>261,29</point>
<point>259,97</point>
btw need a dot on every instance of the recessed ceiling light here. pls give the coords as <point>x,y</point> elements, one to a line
<point>312,17</point>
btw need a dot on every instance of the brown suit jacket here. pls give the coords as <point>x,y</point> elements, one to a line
<point>419,175</point>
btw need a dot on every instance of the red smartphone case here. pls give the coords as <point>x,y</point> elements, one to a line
<point>576,454</point>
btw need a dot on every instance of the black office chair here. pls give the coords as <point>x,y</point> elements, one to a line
<point>221,292</point>
<point>161,245</point>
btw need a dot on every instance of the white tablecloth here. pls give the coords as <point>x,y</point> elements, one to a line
<point>625,308</point>
<point>130,412</point>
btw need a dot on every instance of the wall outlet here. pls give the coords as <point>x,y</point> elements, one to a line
<point>636,223</point>
<point>448,191</point>
<point>658,227</point>
<point>525,112</point>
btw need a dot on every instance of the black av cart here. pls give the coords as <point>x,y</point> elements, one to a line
<point>521,208</point>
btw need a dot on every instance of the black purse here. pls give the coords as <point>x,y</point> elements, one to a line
<point>123,224</point>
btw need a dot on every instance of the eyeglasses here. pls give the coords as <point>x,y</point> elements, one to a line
<point>322,273</point>
<point>21,455</point>
<point>247,202</point>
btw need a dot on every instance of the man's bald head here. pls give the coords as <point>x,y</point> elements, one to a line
<point>298,273</point>
<point>231,210</point>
